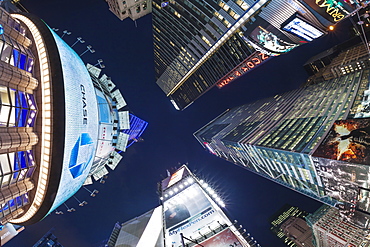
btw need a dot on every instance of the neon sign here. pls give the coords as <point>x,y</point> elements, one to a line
<point>249,63</point>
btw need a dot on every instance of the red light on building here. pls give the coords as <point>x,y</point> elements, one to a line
<point>249,63</point>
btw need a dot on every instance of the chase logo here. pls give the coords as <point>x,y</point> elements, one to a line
<point>81,155</point>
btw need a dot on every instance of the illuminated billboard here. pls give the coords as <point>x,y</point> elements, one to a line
<point>249,63</point>
<point>331,10</point>
<point>190,212</point>
<point>222,239</point>
<point>270,41</point>
<point>298,26</point>
<point>348,140</point>
<point>81,123</point>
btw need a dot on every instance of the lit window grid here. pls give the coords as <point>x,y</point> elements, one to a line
<point>11,22</point>
<point>18,109</point>
<point>15,54</point>
<point>17,164</point>
<point>13,204</point>
<point>46,122</point>
<point>220,41</point>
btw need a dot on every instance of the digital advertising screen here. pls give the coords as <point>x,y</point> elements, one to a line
<point>190,212</point>
<point>270,41</point>
<point>302,29</point>
<point>222,239</point>
<point>331,10</point>
<point>174,178</point>
<point>81,123</point>
<point>348,140</point>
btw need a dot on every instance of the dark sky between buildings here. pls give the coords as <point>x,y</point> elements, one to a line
<point>130,190</point>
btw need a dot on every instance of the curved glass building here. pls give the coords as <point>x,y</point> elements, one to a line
<point>61,122</point>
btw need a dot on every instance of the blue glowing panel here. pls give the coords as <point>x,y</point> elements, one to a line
<point>80,157</point>
<point>104,112</point>
<point>81,123</point>
<point>303,29</point>
<point>137,127</point>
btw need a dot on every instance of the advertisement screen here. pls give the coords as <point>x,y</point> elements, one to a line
<point>189,213</point>
<point>270,41</point>
<point>302,29</point>
<point>222,239</point>
<point>174,178</point>
<point>331,10</point>
<point>348,184</point>
<point>348,140</point>
<point>81,123</point>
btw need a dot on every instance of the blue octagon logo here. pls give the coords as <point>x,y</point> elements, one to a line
<point>81,155</point>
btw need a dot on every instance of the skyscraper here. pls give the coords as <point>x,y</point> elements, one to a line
<point>290,226</point>
<point>330,230</point>
<point>312,139</point>
<point>60,120</point>
<point>190,214</point>
<point>200,44</point>
<point>133,9</point>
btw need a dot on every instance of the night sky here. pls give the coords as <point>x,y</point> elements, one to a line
<point>130,190</point>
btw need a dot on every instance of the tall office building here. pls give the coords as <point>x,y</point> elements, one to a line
<point>200,44</point>
<point>314,139</point>
<point>289,225</point>
<point>190,214</point>
<point>330,230</point>
<point>48,240</point>
<point>133,9</point>
<point>60,121</point>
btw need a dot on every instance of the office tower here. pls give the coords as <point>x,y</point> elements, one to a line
<point>330,230</point>
<point>190,214</point>
<point>130,8</point>
<point>200,44</point>
<point>290,226</point>
<point>60,121</point>
<point>312,140</point>
<point>48,240</point>
<point>144,230</point>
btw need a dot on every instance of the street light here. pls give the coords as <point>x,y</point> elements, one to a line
<point>92,193</point>
<point>79,40</point>
<point>66,32</point>
<point>100,63</point>
<point>88,48</point>
<point>81,204</point>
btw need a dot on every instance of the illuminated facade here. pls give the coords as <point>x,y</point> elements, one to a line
<point>311,140</point>
<point>200,44</point>
<point>290,226</point>
<point>61,121</point>
<point>330,230</point>
<point>190,215</point>
<point>133,9</point>
<point>137,127</point>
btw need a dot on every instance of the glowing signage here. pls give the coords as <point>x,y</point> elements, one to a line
<point>348,140</point>
<point>81,123</point>
<point>331,10</point>
<point>249,63</point>
<point>222,239</point>
<point>302,29</point>
<point>270,41</point>
<point>189,212</point>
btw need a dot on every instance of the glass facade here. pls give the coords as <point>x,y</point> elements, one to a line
<point>197,43</point>
<point>279,137</point>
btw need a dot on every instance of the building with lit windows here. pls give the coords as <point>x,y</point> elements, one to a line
<point>61,121</point>
<point>133,9</point>
<point>312,140</point>
<point>289,225</point>
<point>190,214</point>
<point>330,230</point>
<point>202,44</point>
